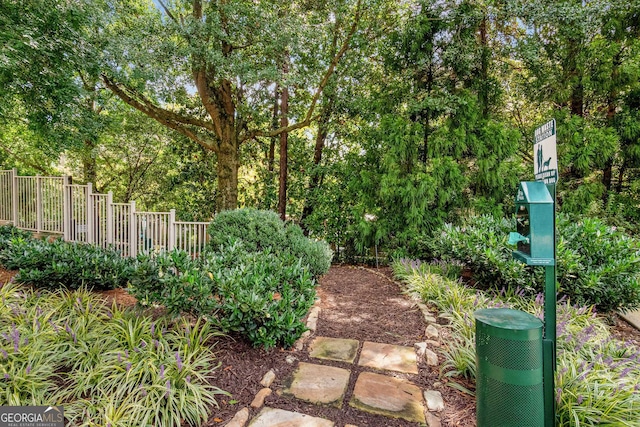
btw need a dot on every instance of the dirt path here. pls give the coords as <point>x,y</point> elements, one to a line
<point>355,303</point>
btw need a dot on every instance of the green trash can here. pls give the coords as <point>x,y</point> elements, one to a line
<point>509,390</point>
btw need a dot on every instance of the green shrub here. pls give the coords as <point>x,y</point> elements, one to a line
<point>600,266</point>
<point>9,232</point>
<point>260,295</point>
<point>64,264</point>
<point>258,229</point>
<point>261,230</point>
<point>597,265</point>
<point>597,380</point>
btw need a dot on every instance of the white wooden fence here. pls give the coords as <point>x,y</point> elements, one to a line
<point>53,205</point>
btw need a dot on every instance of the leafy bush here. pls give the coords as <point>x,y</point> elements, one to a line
<point>9,232</point>
<point>258,229</point>
<point>597,265</point>
<point>261,295</point>
<point>597,381</point>
<point>600,266</point>
<point>106,366</point>
<point>261,230</point>
<point>58,263</point>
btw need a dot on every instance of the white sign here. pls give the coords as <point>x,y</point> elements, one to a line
<point>545,157</point>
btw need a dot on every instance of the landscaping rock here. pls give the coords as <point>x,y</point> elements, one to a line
<point>432,420</point>
<point>299,344</point>
<point>421,348</point>
<point>258,401</point>
<point>434,400</point>
<point>388,357</point>
<point>431,332</point>
<point>269,417</point>
<point>312,320</point>
<point>428,318</point>
<point>239,419</point>
<point>388,396</point>
<point>433,343</point>
<point>268,378</point>
<point>290,359</point>
<point>338,349</point>
<point>431,357</point>
<point>319,384</point>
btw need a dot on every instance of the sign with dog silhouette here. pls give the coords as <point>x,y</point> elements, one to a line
<point>545,157</point>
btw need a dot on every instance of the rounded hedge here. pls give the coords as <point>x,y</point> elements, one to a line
<point>262,230</point>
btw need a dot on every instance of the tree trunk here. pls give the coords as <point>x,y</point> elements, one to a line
<point>621,177</point>
<point>89,167</point>
<point>574,77</point>
<point>316,176</point>
<point>274,125</point>
<point>227,171</point>
<point>284,146</point>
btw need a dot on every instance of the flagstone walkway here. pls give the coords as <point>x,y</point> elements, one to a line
<point>381,389</point>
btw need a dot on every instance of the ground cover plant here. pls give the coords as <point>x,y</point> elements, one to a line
<point>597,264</point>
<point>598,377</point>
<point>107,366</point>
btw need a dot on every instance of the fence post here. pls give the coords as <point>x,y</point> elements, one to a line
<point>109,209</point>
<point>172,230</point>
<point>66,209</point>
<point>14,186</point>
<point>89,224</point>
<point>38,203</point>
<point>133,233</point>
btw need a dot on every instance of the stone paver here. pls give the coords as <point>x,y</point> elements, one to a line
<point>270,417</point>
<point>338,349</point>
<point>633,317</point>
<point>388,357</point>
<point>319,384</point>
<point>434,400</point>
<point>388,396</point>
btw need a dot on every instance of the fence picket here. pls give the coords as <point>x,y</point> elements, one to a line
<point>55,205</point>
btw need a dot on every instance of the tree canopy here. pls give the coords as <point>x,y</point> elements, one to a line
<point>368,121</point>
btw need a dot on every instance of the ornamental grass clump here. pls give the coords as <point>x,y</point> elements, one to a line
<point>598,377</point>
<point>105,365</point>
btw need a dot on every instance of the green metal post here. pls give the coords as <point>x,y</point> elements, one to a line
<point>549,339</point>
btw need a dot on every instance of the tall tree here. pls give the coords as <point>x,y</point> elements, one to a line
<point>225,50</point>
